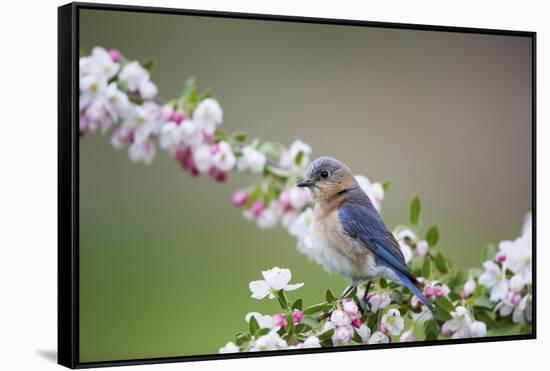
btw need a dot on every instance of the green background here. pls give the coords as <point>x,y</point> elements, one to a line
<point>165,260</point>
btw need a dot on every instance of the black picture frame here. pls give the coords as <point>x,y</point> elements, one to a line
<point>68,181</point>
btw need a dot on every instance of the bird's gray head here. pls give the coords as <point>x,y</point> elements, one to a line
<point>327,177</point>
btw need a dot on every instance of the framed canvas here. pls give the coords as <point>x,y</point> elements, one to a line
<point>240,185</point>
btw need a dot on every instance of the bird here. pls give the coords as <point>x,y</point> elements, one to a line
<point>350,233</point>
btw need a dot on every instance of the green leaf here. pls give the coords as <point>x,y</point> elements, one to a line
<point>241,338</point>
<point>432,236</point>
<point>488,253</point>
<point>441,264</point>
<point>427,268</point>
<point>297,304</point>
<point>241,137</point>
<point>317,308</point>
<point>386,185</point>
<point>330,297</point>
<point>441,315</point>
<point>383,283</point>
<point>444,304</point>
<point>396,296</point>
<point>299,328</point>
<point>483,301</point>
<point>326,335</point>
<point>415,210</point>
<point>309,321</point>
<point>283,301</point>
<point>262,332</point>
<point>253,325</point>
<point>148,64</point>
<point>431,328</point>
<point>484,316</point>
<point>352,292</point>
<point>299,157</point>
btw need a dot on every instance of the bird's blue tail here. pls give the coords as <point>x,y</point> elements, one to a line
<point>414,289</point>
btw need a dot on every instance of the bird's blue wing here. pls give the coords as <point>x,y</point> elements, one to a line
<point>362,222</point>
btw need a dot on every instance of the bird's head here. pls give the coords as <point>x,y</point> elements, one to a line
<point>326,177</point>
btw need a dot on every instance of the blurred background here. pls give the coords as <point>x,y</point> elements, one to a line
<point>165,261</point>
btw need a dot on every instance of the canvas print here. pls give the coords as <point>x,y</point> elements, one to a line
<point>253,185</point>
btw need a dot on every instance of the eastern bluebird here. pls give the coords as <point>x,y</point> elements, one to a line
<point>352,236</point>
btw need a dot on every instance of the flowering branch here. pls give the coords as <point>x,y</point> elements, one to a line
<point>118,97</point>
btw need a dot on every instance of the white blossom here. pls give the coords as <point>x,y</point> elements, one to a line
<point>392,322</point>
<point>469,286</point>
<point>229,348</point>
<point>251,159</point>
<point>270,341</point>
<point>478,329</point>
<point>379,338</point>
<point>270,216</point>
<point>407,336</point>
<point>223,157</point>
<point>288,158</point>
<point>364,332</point>
<point>311,342</point>
<point>494,278</point>
<point>378,301</point>
<point>208,115</point>
<point>275,279</point>
<point>460,324</point>
<point>264,321</point>
<point>133,75</point>
<point>406,250</point>
<point>375,191</point>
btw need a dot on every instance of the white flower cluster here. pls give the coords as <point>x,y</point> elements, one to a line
<point>343,326</point>
<point>509,276</point>
<point>463,325</point>
<point>116,93</point>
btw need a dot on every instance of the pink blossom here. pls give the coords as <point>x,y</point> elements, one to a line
<point>185,157</point>
<point>116,55</point>
<point>279,319</point>
<point>257,208</point>
<point>297,316</point>
<point>356,323</point>
<point>177,117</point>
<point>446,329</point>
<point>217,174</point>
<point>239,197</point>
<point>501,257</point>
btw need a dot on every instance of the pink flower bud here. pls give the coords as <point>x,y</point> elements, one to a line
<point>116,55</point>
<point>279,319</point>
<point>501,257</point>
<point>446,329</point>
<point>207,137</point>
<point>239,197</point>
<point>415,302</point>
<point>177,117</point>
<point>217,174</point>
<point>356,323</point>
<point>422,248</point>
<point>297,316</point>
<point>257,208</point>
<point>429,291</point>
<point>463,295</point>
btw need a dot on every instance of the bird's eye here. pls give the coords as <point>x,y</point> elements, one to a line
<point>324,174</point>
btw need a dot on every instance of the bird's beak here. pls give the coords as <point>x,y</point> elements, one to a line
<point>305,183</point>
